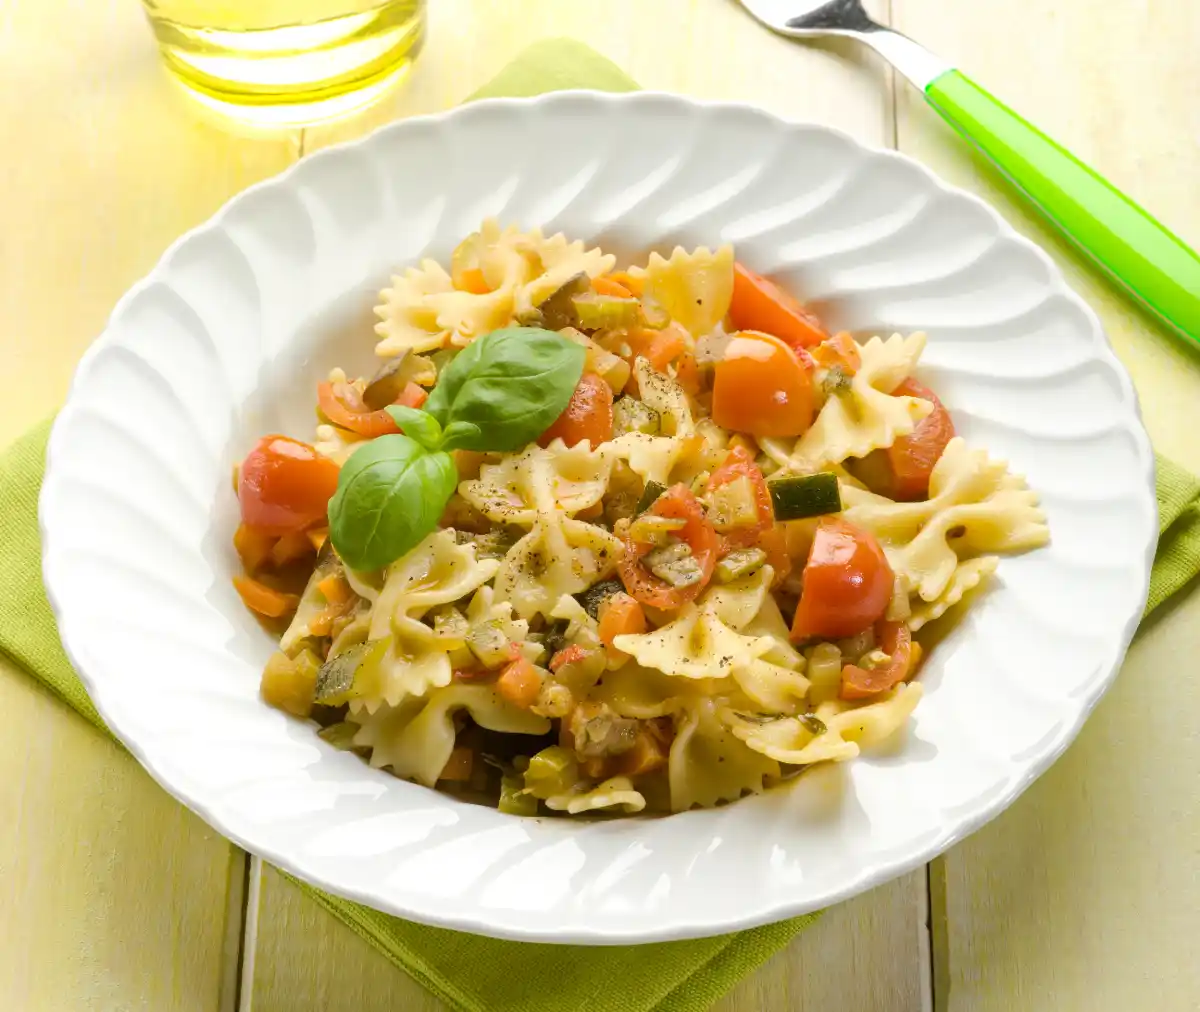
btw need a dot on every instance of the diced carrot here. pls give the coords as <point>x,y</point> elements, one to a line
<point>635,286</point>
<point>659,347</point>
<point>253,546</point>
<point>620,615</point>
<point>520,683</point>
<point>290,547</point>
<point>609,286</point>
<point>647,755</point>
<point>473,281</point>
<point>458,766</point>
<point>258,597</point>
<point>318,536</point>
<point>336,589</point>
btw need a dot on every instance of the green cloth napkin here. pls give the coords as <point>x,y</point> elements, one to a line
<point>468,972</point>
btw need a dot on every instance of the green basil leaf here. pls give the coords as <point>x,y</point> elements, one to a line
<point>391,493</point>
<point>417,424</point>
<point>511,383</point>
<point>457,434</point>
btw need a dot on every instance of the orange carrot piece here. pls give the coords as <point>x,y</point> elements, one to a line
<point>253,546</point>
<point>265,600</point>
<point>647,755</point>
<point>620,615</point>
<point>336,589</point>
<point>635,286</point>
<point>610,286</point>
<point>520,683</point>
<point>290,547</point>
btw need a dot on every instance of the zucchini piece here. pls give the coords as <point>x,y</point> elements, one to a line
<point>489,644</point>
<point>514,799</point>
<point>556,311</point>
<point>596,595</point>
<point>808,495</point>
<point>738,563</point>
<point>836,382</point>
<point>553,770</point>
<point>813,724</point>
<point>650,496</point>
<point>674,564</point>
<point>606,312</point>
<point>733,505</point>
<point>350,674</point>
<point>340,735</point>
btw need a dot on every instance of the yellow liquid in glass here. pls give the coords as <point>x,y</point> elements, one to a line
<point>287,61</point>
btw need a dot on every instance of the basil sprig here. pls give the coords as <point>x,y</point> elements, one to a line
<point>501,392</point>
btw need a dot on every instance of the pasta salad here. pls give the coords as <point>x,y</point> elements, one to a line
<point>600,540</point>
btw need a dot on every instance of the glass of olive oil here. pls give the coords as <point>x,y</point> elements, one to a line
<point>287,62</point>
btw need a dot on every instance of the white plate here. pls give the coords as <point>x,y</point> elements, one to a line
<point>227,337</point>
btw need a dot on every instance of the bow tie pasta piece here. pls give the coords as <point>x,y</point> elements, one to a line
<point>654,457</point>
<point>864,415</point>
<point>697,644</point>
<point>771,687</point>
<point>708,764</point>
<point>646,693</point>
<point>967,577</point>
<point>736,604</point>
<point>975,505</point>
<point>559,555</point>
<point>438,571</point>
<point>416,738</point>
<point>423,311</point>
<point>800,741</point>
<point>695,288</point>
<point>484,607</point>
<point>615,793</point>
<point>559,478</point>
<point>427,308</point>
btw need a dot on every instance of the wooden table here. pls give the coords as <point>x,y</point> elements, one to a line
<point>1082,896</point>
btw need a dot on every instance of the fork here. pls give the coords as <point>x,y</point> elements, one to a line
<point>1143,256</point>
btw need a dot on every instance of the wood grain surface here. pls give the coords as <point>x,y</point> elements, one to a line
<point>1081,896</point>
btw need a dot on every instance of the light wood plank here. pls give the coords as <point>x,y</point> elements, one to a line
<point>1083,895</point>
<point>116,897</point>
<point>715,51</point>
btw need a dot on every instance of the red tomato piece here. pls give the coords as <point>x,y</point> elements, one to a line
<point>847,583</point>
<point>285,485</point>
<point>760,386</point>
<point>588,415</point>
<point>760,304</point>
<point>676,502</point>
<point>342,404</point>
<point>901,471</point>
<point>860,683</point>
<point>740,464</point>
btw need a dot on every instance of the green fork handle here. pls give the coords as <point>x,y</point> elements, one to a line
<point>1146,258</point>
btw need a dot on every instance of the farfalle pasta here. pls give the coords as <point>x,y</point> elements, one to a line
<point>600,542</point>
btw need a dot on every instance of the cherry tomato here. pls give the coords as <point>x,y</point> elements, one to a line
<point>343,405</point>
<point>739,464</point>
<point>859,683</point>
<point>761,387</point>
<point>676,502</point>
<point>760,304</point>
<point>901,471</point>
<point>588,415</point>
<point>285,485</point>
<point>847,582</point>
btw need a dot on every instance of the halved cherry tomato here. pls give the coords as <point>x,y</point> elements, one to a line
<point>901,471</point>
<point>343,405</point>
<point>677,502</point>
<point>847,582</point>
<point>761,387</point>
<point>860,683</point>
<point>285,485</point>
<point>760,304</point>
<point>610,286</point>
<point>473,281</point>
<point>840,350</point>
<point>740,464</point>
<point>588,414</point>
